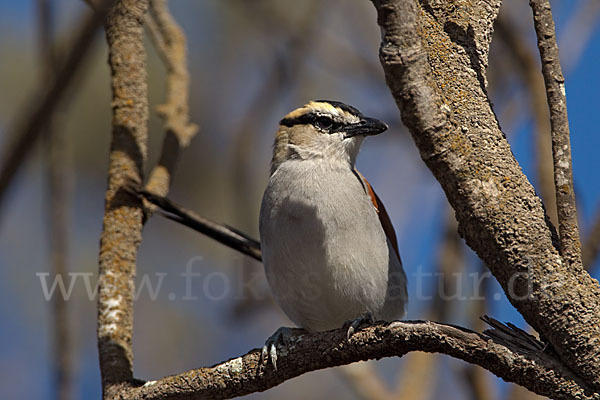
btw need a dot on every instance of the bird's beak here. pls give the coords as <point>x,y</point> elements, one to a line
<point>366,127</point>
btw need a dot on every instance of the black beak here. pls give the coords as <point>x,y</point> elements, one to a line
<point>366,127</point>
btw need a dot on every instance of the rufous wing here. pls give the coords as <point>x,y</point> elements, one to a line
<point>384,218</point>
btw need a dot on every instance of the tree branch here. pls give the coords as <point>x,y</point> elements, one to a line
<point>310,352</point>
<point>29,122</point>
<point>568,229</point>
<point>530,73</point>
<point>243,375</point>
<point>170,43</point>
<point>430,56</point>
<point>122,225</point>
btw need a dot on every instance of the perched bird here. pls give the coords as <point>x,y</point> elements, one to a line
<point>329,249</point>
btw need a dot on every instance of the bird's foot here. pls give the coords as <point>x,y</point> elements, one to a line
<point>354,324</point>
<point>281,335</point>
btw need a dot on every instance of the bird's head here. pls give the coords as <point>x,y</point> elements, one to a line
<point>327,130</point>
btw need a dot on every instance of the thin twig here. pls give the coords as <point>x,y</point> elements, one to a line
<point>28,123</point>
<point>170,42</point>
<point>561,147</point>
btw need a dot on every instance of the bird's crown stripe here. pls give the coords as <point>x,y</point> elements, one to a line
<point>307,113</point>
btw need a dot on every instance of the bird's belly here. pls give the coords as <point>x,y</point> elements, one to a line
<point>326,257</point>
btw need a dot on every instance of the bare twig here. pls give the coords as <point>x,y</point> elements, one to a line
<point>122,225</point>
<point>57,209</point>
<point>310,352</point>
<point>561,147</point>
<point>29,122</point>
<point>170,42</point>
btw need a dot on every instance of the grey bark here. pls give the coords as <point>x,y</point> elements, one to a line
<point>434,56</point>
<point>554,81</point>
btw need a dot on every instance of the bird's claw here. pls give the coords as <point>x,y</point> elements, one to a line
<point>353,325</point>
<point>281,335</point>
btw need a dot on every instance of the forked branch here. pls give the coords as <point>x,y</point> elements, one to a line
<point>430,55</point>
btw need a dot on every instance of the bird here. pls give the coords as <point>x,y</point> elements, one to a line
<point>329,249</point>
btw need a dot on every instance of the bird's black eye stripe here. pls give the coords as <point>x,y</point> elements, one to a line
<point>323,122</point>
<point>320,121</point>
<point>303,119</point>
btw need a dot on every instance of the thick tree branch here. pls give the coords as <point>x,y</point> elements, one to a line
<point>434,57</point>
<point>170,43</point>
<point>29,122</point>
<point>310,352</point>
<point>122,225</point>
<point>568,229</point>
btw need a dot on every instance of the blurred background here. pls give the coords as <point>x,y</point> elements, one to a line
<point>251,62</point>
